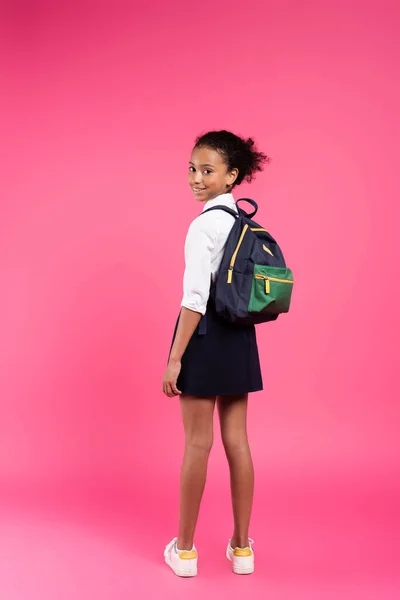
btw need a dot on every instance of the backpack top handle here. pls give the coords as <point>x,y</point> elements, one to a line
<point>240,210</point>
<point>250,201</point>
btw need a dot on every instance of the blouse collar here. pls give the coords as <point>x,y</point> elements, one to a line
<point>224,199</point>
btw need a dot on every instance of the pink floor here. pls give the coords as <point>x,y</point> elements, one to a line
<point>314,539</point>
<point>101,104</point>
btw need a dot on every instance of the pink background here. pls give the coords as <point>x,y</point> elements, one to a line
<point>101,103</point>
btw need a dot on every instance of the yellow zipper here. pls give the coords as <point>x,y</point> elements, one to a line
<point>232,263</point>
<point>268,279</point>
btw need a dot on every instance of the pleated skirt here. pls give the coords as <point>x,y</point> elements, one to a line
<point>222,361</point>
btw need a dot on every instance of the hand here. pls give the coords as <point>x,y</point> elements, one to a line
<point>170,379</point>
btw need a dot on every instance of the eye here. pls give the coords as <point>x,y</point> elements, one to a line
<point>190,168</point>
<point>207,170</point>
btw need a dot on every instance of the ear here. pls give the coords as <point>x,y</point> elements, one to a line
<point>233,176</point>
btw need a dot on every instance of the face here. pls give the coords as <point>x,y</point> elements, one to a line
<point>208,174</point>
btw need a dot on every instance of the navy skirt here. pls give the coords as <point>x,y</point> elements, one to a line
<point>220,359</point>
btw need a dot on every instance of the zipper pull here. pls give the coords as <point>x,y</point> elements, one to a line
<point>267,286</point>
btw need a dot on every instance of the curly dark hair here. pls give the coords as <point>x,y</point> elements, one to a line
<point>236,152</point>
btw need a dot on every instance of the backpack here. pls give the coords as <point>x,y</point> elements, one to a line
<point>253,284</point>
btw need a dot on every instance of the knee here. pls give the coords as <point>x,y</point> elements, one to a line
<point>200,442</point>
<point>235,444</point>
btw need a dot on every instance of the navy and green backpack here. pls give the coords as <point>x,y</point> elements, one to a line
<point>253,284</point>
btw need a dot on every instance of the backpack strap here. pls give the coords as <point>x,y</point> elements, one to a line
<point>221,207</point>
<point>203,321</point>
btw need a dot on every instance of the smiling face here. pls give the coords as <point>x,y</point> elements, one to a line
<point>208,174</point>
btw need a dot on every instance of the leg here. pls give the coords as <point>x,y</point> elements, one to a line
<point>233,421</point>
<point>197,416</point>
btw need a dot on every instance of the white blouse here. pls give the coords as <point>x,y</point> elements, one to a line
<point>204,249</point>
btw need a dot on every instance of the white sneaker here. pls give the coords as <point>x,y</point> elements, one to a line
<point>242,558</point>
<point>184,562</point>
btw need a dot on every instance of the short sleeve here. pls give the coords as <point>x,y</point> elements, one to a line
<point>199,246</point>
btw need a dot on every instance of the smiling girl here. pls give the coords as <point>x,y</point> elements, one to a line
<point>220,366</point>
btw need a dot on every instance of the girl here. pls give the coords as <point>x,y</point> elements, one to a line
<point>220,366</point>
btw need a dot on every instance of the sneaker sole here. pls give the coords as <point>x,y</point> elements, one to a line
<point>240,571</point>
<point>182,572</point>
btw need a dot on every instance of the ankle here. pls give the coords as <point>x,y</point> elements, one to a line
<point>238,541</point>
<point>184,545</point>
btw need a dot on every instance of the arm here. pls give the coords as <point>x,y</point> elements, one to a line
<point>200,242</point>
<point>188,321</point>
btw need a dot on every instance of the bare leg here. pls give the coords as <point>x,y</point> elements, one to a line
<point>197,416</point>
<point>233,421</point>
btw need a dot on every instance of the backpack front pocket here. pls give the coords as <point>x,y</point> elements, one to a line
<point>271,289</point>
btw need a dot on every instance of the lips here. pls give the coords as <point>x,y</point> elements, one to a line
<point>197,190</point>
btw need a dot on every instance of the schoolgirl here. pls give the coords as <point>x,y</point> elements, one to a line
<point>220,366</point>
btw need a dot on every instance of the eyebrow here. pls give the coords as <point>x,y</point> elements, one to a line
<point>203,165</point>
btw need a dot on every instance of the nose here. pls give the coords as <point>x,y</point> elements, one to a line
<point>197,177</point>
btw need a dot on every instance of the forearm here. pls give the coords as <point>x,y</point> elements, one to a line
<point>187,324</point>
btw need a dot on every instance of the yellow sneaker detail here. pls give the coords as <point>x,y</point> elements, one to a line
<point>242,552</point>
<point>187,554</point>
